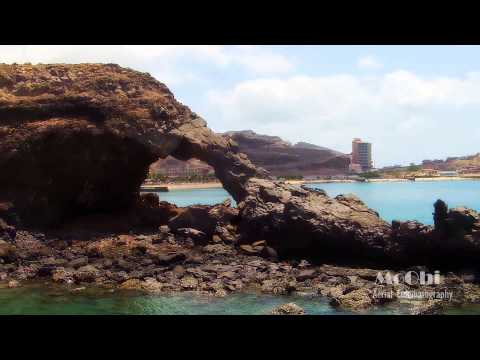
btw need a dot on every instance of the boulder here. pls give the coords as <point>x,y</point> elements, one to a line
<point>78,262</point>
<point>204,218</point>
<point>7,232</point>
<point>168,259</point>
<point>149,211</point>
<point>298,221</point>
<point>356,299</point>
<point>227,234</point>
<point>8,213</point>
<point>198,237</point>
<point>87,273</point>
<point>288,309</point>
<point>14,284</point>
<point>8,251</point>
<point>62,275</point>
<point>460,220</point>
<point>189,283</point>
<point>306,274</point>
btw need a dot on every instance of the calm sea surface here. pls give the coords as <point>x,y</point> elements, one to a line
<point>395,200</point>
<point>55,300</point>
<point>45,300</point>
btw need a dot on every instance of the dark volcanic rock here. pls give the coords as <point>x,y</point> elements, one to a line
<point>204,218</point>
<point>7,251</point>
<point>198,237</point>
<point>300,221</point>
<point>7,232</point>
<point>79,138</point>
<point>170,258</point>
<point>288,309</point>
<point>151,212</point>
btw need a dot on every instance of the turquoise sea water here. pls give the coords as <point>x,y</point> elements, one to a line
<point>394,200</point>
<point>195,196</point>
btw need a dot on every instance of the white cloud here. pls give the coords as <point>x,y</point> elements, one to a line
<point>407,117</point>
<point>369,62</point>
<point>163,61</point>
<point>261,61</point>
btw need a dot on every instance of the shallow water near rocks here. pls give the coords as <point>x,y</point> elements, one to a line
<point>402,201</point>
<point>53,300</point>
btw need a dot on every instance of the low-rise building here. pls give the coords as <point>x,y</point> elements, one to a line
<point>448,173</point>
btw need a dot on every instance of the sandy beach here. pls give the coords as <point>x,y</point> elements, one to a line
<point>425,179</point>
<point>212,185</point>
<point>447,178</point>
<point>319,181</point>
<point>184,186</point>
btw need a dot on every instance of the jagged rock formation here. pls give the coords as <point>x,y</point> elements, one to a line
<point>301,221</point>
<point>79,139</point>
<point>281,158</point>
<point>278,157</point>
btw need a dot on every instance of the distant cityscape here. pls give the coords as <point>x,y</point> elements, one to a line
<point>309,162</point>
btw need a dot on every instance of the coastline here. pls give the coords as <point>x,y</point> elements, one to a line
<point>179,186</point>
<point>214,185</point>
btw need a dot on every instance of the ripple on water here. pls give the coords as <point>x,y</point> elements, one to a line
<point>41,300</point>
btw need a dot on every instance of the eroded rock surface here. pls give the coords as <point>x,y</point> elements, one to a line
<point>288,309</point>
<point>300,220</point>
<point>78,140</point>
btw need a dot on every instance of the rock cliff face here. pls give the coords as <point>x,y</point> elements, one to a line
<point>301,221</point>
<point>79,139</point>
<point>281,158</point>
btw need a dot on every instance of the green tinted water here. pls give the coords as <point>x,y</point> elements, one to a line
<point>49,300</point>
<point>412,200</point>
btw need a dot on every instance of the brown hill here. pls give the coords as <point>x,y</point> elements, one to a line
<point>272,153</point>
<point>464,163</point>
<point>281,158</point>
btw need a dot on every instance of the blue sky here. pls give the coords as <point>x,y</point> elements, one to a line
<point>411,102</point>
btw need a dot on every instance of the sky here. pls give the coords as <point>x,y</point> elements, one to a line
<point>411,102</point>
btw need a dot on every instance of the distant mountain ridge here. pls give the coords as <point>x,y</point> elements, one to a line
<point>305,145</point>
<point>281,158</point>
<point>274,154</point>
<point>469,162</point>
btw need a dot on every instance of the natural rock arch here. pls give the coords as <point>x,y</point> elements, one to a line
<point>79,139</point>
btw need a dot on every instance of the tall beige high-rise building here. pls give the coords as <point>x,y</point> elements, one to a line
<point>361,155</point>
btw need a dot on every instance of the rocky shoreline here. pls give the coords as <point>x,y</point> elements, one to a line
<point>76,143</point>
<point>167,261</point>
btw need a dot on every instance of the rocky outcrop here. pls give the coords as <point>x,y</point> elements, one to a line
<point>79,139</point>
<point>205,218</point>
<point>288,309</point>
<point>300,221</point>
